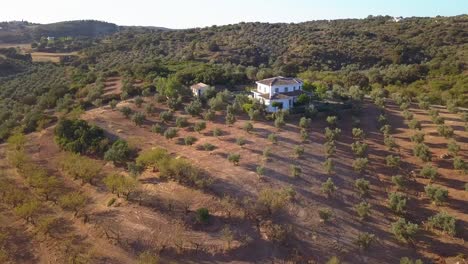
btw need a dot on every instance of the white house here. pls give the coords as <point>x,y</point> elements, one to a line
<point>199,88</point>
<point>283,90</point>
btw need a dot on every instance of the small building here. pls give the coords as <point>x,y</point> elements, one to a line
<point>199,88</point>
<point>278,92</point>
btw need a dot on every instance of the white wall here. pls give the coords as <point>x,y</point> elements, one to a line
<point>262,88</point>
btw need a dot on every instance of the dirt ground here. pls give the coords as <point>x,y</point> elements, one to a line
<point>134,227</point>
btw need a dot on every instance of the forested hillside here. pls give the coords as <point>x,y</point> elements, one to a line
<point>421,58</point>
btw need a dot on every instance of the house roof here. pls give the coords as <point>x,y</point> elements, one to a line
<point>280,80</point>
<point>281,95</point>
<point>199,86</point>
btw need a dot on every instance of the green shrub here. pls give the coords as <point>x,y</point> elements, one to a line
<point>217,132</point>
<point>273,138</point>
<point>358,133</point>
<point>332,134</point>
<point>325,214</point>
<point>298,151</point>
<point>194,108</point>
<point>328,187</point>
<point>199,126</point>
<point>362,186</point>
<point>166,116</point>
<point>111,201</point>
<point>330,148</point>
<point>443,221</point>
<point>363,209</point>
<point>460,164</point>
<point>328,165</point>
<point>359,148</point>
<point>397,202</point>
<point>331,120</point>
<point>189,140</point>
<point>203,215</point>
<point>170,133</point>
<point>305,122</point>
<point>234,158</point>
<point>403,230</point>
<point>181,121</point>
<point>429,171</point>
<point>406,260</point>
<point>445,131</point>
<point>453,148</point>
<point>208,146</point>
<point>295,171</point>
<point>389,142</point>
<point>438,195</point>
<point>126,111</point>
<point>399,181</point>
<point>138,118</point>
<point>157,128</point>
<point>241,141</point>
<point>80,137</point>
<point>260,170</point>
<point>119,152</point>
<point>248,127</point>
<point>209,115</point>
<point>415,124</point>
<point>418,137</point>
<point>360,164</point>
<point>393,161</point>
<point>422,151</point>
<point>364,240</point>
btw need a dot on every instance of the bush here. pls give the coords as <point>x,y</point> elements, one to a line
<point>166,116</point>
<point>422,151</point>
<point>295,171</point>
<point>260,170</point>
<point>73,201</point>
<point>273,138</point>
<point>113,104</point>
<point>170,133</point>
<point>362,186</point>
<point>157,128</point>
<point>138,101</point>
<point>111,202</point>
<point>138,118</point>
<point>248,127</point>
<point>149,109</point>
<point>209,115</point>
<point>203,215</point>
<point>119,152</point>
<point>217,132</point>
<point>241,141</point>
<point>453,148</point>
<point>79,137</point>
<point>147,258</point>
<point>438,195</point>
<point>181,122</point>
<point>234,158</point>
<point>305,122</point>
<point>406,260</point>
<point>429,171</point>
<point>325,214</point>
<point>332,134</point>
<point>304,135</point>
<point>408,115</point>
<point>360,164</point>
<point>279,122</point>
<point>189,140</point>
<point>208,146</point>
<point>358,133</point>
<point>445,131</point>
<point>415,124</point>
<point>298,151</point>
<point>418,137</point>
<point>328,165</point>
<point>403,230</point>
<point>389,142</point>
<point>333,260</point>
<point>272,200</point>
<point>438,120</point>
<point>331,120</point>
<point>397,202</point>
<point>399,181</point>
<point>80,167</point>
<point>460,164</point>
<point>121,185</point>
<point>126,111</point>
<point>199,126</point>
<point>444,222</point>
<point>364,240</point>
<point>393,161</point>
<point>386,129</point>
<point>266,152</point>
<point>328,187</point>
<point>330,148</point>
<point>362,209</point>
<point>194,108</point>
<point>359,148</point>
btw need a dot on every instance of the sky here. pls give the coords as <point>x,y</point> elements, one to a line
<point>201,13</point>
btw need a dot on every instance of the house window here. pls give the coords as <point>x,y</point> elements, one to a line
<point>285,89</point>
<point>294,88</point>
<point>276,90</point>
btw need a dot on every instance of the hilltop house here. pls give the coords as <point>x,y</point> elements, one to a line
<point>278,92</point>
<point>199,88</point>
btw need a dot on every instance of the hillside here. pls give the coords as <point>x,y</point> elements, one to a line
<point>21,32</point>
